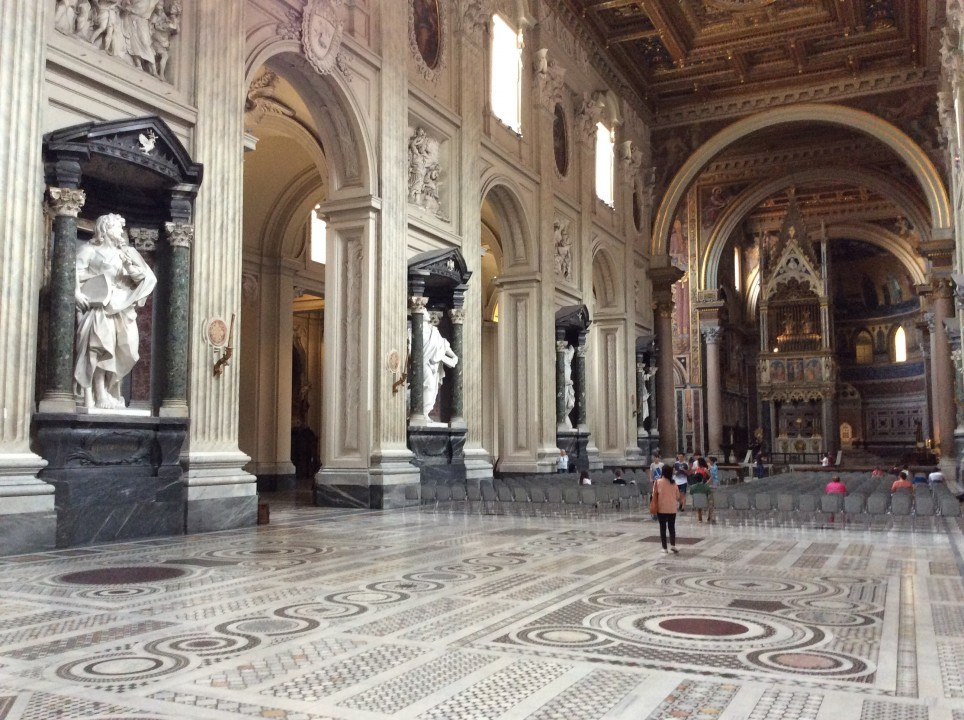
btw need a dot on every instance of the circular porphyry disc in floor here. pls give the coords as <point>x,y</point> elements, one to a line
<point>122,575</point>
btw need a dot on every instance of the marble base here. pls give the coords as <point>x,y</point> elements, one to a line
<point>439,453</point>
<point>647,444</point>
<point>576,445</point>
<point>277,483</point>
<point>114,478</point>
<point>221,513</point>
<point>27,532</point>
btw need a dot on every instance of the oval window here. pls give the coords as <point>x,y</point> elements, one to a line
<point>560,140</point>
<point>428,30</point>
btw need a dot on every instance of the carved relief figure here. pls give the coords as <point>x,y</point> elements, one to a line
<point>65,16</point>
<point>84,27</point>
<point>164,24</point>
<point>570,389</point>
<point>137,33</point>
<point>262,99</point>
<point>106,17</point>
<point>112,281</point>
<point>563,245</point>
<point>424,170</point>
<point>437,353</point>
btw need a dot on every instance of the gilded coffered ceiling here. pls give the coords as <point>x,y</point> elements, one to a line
<point>690,52</point>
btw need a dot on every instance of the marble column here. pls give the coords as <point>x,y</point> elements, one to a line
<point>924,345</point>
<point>562,422</point>
<point>455,374</point>
<point>665,387</point>
<point>27,520</point>
<point>943,368</point>
<point>179,239</point>
<point>580,380</point>
<point>220,494</point>
<point>416,360</point>
<point>714,391</point>
<point>65,204</point>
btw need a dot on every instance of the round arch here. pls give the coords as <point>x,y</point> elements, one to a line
<point>754,195</point>
<point>516,238</point>
<point>906,149</point>
<point>605,279</point>
<point>336,114</point>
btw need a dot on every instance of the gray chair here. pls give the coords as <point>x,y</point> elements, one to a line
<point>570,497</point>
<point>428,494</point>
<point>832,505</point>
<point>554,498</point>
<point>587,496</point>
<point>459,496</point>
<point>786,504</point>
<point>741,503</point>
<point>901,504</point>
<point>443,496</point>
<point>853,506</point>
<point>520,499</point>
<point>537,499</point>
<point>807,507</point>
<point>490,499</point>
<point>412,494</point>
<point>473,494</point>
<point>506,501</point>
<point>950,506</point>
<point>877,505</point>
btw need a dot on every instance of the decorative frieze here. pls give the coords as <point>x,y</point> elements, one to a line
<point>138,32</point>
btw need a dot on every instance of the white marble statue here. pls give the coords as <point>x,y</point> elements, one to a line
<point>570,386</point>
<point>112,281</point>
<point>437,355</point>
<point>648,374</point>
<point>563,245</point>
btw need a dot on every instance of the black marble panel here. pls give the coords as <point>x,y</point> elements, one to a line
<point>115,477</point>
<point>439,453</point>
<point>345,496</point>
<point>276,483</point>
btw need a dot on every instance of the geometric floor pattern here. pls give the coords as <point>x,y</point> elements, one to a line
<point>352,615</point>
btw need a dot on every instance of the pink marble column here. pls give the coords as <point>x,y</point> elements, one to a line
<point>714,390</point>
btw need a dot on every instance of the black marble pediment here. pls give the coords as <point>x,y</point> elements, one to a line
<point>440,275</point>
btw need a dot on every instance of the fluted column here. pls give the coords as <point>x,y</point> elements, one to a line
<point>665,389</point>
<point>220,494</point>
<point>416,371</point>
<point>26,503</point>
<point>179,236</point>
<point>714,390</point>
<point>943,369</point>
<point>456,375</point>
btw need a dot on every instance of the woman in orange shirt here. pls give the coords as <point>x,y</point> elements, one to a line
<point>666,498</point>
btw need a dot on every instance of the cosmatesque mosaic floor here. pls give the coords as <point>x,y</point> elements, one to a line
<point>350,615</point>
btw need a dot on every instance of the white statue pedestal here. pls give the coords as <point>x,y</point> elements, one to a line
<point>126,412</point>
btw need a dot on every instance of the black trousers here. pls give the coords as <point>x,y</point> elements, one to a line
<point>667,520</point>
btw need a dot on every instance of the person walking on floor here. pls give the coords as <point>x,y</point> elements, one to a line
<point>681,470</point>
<point>666,498</point>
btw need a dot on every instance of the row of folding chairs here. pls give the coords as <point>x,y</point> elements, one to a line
<point>529,498</point>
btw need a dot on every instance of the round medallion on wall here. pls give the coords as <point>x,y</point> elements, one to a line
<point>427,36</point>
<point>217,333</point>
<point>560,140</point>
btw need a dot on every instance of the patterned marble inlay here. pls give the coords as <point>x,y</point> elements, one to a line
<point>695,701</point>
<point>883,710</point>
<point>786,705</point>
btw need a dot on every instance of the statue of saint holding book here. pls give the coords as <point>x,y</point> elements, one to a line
<point>112,282</point>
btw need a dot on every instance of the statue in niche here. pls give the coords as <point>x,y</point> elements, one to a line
<point>563,245</point>
<point>570,387</point>
<point>893,285</point>
<point>437,355</point>
<point>648,374</point>
<point>112,281</point>
<point>807,323</point>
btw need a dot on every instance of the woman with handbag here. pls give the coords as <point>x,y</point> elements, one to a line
<point>663,504</point>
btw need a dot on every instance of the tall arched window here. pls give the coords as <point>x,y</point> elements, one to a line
<point>900,345</point>
<point>319,237</point>
<point>605,164</point>
<point>864,346</point>
<point>506,91</point>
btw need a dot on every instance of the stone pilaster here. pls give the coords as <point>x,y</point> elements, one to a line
<point>665,388</point>
<point>65,204</point>
<point>27,520</point>
<point>416,372</point>
<point>220,494</point>
<point>562,422</point>
<point>457,419</point>
<point>714,390</point>
<point>473,21</point>
<point>180,237</point>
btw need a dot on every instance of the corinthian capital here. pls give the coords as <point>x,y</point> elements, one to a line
<point>65,202</point>
<point>713,335</point>
<point>179,234</point>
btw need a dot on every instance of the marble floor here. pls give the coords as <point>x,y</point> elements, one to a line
<point>412,614</point>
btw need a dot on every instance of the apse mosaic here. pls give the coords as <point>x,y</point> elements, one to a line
<point>413,614</point>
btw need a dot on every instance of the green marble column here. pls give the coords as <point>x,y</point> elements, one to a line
<point>59,387</point>
<point>179,239</point>
<point>579,377</point>
<point>416,360</point>
<point>457,315</point>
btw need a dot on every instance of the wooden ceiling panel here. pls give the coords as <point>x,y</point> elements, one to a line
<point>695,51</point>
